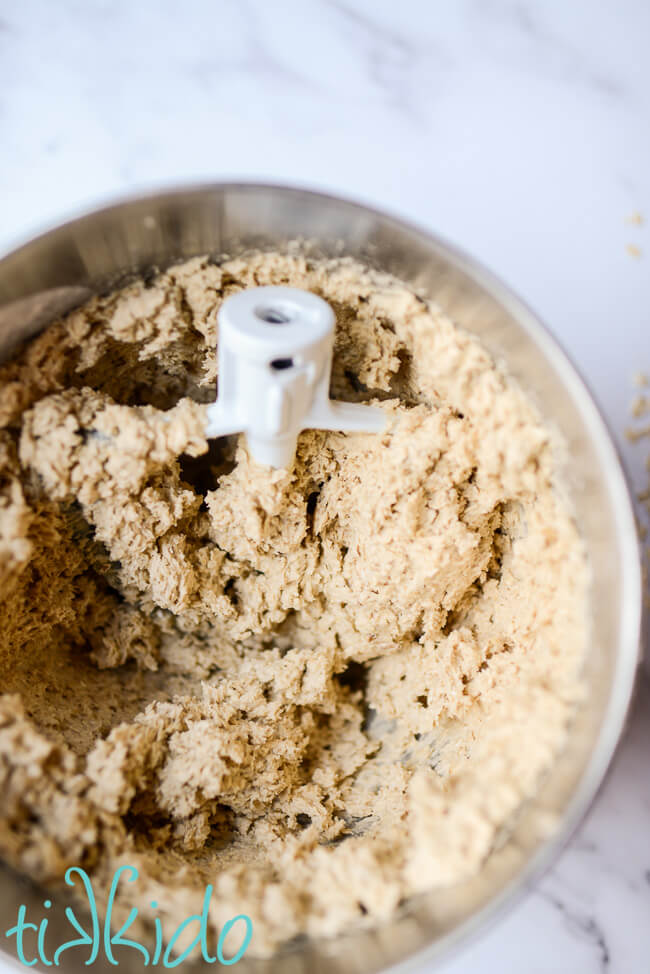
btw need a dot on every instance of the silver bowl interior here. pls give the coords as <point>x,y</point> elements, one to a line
<point>61,268</point>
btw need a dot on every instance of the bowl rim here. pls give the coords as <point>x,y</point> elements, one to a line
<point>621,695</point>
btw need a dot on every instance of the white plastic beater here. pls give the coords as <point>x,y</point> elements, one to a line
<point>275,361</point>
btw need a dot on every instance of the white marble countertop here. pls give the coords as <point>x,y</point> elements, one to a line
<point>519,129</point>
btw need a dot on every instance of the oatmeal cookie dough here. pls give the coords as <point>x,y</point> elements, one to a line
<point>322,690</point>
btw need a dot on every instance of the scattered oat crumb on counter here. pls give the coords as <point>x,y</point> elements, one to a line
<point>321,690</point>
<point>633,250</point>
<point>636,433</point>
<point>635,219</point>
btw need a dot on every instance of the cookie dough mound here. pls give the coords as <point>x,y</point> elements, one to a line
<point>322,690</point>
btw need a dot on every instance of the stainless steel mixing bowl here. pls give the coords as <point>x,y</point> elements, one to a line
<point>64,266</point>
